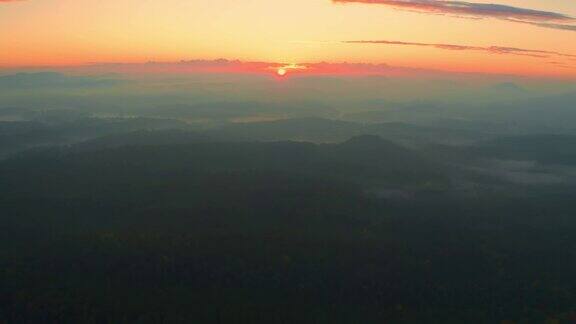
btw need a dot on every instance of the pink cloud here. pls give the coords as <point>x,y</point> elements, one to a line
<point>464,9</point>
<point>264,68</point>
<point>451,47</point>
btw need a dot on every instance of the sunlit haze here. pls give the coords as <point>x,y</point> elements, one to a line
<point>75,32</point>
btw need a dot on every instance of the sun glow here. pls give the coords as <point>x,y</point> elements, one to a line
<point>281,72</point>
<point>284,69</point>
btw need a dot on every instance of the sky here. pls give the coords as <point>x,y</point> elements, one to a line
<point>520,37</point>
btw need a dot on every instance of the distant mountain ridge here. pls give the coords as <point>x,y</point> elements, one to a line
<point>328,130</point>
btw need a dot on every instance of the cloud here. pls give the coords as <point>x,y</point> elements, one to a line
<point>490,49</point>
<point>463,9</point>
<point>223,66</point>
<point>562,65</point>
<point>263,68</point>
<point>3,1</point>
<point>546,25</point>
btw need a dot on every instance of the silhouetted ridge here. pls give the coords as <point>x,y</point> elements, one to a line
<point>369,141</point>
<point>374,147</point>
<point>145,137</point>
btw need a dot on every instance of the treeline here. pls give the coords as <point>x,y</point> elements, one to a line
<point>273,232</point>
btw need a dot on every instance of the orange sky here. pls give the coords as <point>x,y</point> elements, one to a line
<point>70,32</point>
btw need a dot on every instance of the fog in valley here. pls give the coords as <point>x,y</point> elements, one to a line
<point>147,194</point>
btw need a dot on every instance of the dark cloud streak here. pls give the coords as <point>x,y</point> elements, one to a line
<point>451,47</point>
<point>463,9</point>
<point>546,25</point>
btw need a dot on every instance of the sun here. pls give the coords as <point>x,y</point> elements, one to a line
<point>281,72</point>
